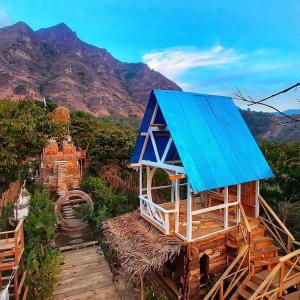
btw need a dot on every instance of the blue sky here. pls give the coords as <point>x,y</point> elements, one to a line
<point>204,46</point>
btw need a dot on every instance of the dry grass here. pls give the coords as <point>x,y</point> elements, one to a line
<point>139,246</point>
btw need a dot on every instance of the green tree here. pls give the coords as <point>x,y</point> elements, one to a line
<point>24,126</point>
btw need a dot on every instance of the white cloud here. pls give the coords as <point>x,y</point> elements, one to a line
<point>5,18</point>
<point>175,61</point>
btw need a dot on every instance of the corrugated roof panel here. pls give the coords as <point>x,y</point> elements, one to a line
<point>212,140</point>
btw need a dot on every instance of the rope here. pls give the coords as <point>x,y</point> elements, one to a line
<point>11,278</point>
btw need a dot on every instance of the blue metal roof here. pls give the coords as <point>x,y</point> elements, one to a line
<point>210,137</point>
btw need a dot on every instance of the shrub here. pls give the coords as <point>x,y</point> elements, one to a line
<point>41,265</point>
<point>41,273</point>
<point>107,203</point>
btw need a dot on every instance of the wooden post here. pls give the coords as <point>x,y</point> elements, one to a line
<point>256,199</point>
<point>238,212</point>
<point>226,208</point>
<point>141,180</point>
<point>177,203</point>
<point>16,285</point>
<point>289,244</point>
<point>189,213</point>
<point>221,291</point>
<point>281,279</point>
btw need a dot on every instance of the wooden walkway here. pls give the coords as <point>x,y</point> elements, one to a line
<point>85,274</point>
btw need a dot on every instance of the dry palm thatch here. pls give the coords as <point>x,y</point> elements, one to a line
<point>139,246</point>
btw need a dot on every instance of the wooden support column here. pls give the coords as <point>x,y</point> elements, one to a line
<point>16,285</point>
<point>189,213</point>
<point>177,201</point>
<point>141,185</point>
<point>238,212</point>
<point>256,199</point>
<point>226,208</point>
<point>141,179</point>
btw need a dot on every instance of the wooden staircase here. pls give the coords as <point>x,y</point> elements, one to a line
<point>264,258</point>
<point>255,270</point>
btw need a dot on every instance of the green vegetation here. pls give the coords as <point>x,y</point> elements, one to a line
<point>41,261</point>
<point>107,204</point>
<point>23,128</point>
<point>283,191</point>
<point>7,211</point>
<point>151,293</point>
<point>106,143</point>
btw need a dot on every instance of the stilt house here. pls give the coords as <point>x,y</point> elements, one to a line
<point>206,232</point>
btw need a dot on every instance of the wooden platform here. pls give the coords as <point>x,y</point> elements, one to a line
<point>85,274</point>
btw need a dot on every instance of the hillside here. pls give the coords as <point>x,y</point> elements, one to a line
<point>54,62</point>
<point>263,127</point>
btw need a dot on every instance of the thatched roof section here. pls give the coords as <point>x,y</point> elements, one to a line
<point>140,247</point>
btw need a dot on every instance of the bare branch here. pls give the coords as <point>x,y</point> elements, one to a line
<point>276,94</point>
<point>239,96</point>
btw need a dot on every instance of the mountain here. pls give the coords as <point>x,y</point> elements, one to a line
<point>264,126</point>
<point>54,62</point>
<point>289,112</point>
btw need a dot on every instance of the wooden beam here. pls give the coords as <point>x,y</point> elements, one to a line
<point>226,207</point>
<point>177,203</point>
<point>212,208</point>
<point>176,176</point>
<point>167,149</point>
<point>163,166</point>
<point>189,215</point>
<point>239,193</point>
<point>256,199</point>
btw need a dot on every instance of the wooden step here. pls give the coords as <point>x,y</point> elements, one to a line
<point>269,261</point>
<point>252,285</point>
<point>265,253</point>
<point>262,242</point>
<point>291,296</point>
<point>243,293</point>
<point>259,231</point>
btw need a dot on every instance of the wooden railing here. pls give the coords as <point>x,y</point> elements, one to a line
<point>157,214</point>
<point>12,247</point>
<point>285,272</point>
<point>276,228</point>
<point>233,275</point>
<point>238,269</point>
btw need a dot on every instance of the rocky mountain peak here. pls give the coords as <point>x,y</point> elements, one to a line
<point>54,62</point>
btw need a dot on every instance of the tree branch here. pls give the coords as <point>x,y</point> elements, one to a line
<point>240,97</point>
<point>276,94</point>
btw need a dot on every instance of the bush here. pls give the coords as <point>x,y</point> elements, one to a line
<point>151,293</point>
<point>7,211</point>
<point>40,222</point>
<point>107,204</point>
<point>41,273</point>
<point>41,261</point>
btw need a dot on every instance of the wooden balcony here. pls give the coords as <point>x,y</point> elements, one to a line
<point>210,215</point>
<point>11,247</point>
<point>11,262</point>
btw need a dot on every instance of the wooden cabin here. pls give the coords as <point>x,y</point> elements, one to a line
<point>199,173</point>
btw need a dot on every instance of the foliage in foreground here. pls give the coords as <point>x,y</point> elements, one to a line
<point>283,191</point>
<point>105,143</point>
<point>107,204</point>
<point>41,261</point>
<point>23,127</point>
<point>151,293</point>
